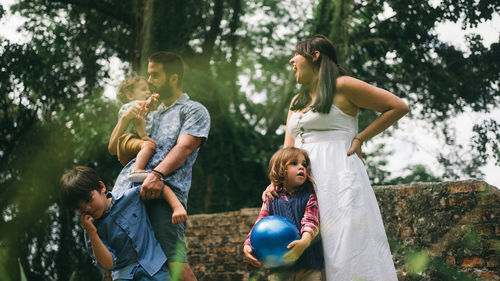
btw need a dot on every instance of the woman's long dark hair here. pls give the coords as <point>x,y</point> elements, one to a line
<point>329,70</point>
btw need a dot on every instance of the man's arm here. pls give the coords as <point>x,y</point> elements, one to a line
<point>185,145</point>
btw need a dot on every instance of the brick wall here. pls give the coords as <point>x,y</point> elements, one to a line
<point>437,231</point>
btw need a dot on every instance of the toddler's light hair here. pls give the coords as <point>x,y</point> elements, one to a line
<point>127,85</point>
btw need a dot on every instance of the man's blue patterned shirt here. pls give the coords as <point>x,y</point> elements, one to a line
<point>183,117</point>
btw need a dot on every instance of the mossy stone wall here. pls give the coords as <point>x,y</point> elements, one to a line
<point>437,231</point>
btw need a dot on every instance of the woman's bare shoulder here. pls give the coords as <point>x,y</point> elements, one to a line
<point>341,99</point>
<point>345,82</point>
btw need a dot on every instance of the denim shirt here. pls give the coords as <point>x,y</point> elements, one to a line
<point>126,232</point>
<point>183,117</point>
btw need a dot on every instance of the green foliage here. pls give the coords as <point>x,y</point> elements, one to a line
<point>23,276</point>
<point>417,262</point>
<point>471,240</point>
<point>486,139</point>
<point>418,173</point>
<point>53,114</point>
<point>422,266</point>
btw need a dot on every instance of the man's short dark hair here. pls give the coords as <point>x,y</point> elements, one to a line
<point>172,64</point>
<point>77,184</point>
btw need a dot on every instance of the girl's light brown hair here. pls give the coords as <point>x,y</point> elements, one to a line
<point>127,86</point>
<point>284,157</point>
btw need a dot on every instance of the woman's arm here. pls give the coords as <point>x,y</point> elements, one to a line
<point>364,95</point>
<point>270,191</point>
<point>289,140</point>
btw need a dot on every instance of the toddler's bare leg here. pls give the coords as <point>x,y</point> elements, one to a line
<point>147,150</point>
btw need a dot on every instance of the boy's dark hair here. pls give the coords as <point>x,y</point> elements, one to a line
<point>172,64</point>
<point>77,184</point>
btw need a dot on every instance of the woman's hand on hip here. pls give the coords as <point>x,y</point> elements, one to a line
<point>356,148</point>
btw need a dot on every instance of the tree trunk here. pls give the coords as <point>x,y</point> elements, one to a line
<point>144,36</point>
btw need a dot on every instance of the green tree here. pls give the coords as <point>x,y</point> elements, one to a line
<point>53,114</point>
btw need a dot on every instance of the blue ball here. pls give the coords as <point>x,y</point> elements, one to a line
<point>269,238</point>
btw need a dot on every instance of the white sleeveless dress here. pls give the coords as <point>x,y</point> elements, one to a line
<point>354,240</point>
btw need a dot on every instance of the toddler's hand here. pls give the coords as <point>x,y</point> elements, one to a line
<point>179,215</point>
<point>87,222</point>
<point>143,111</point>
<point>133,111</point>
<point>147,106</point>
<point>247,249</point>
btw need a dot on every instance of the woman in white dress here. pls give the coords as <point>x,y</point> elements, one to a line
<point>323,120</point>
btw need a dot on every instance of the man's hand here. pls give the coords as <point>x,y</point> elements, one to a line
<point>179,215</point>
<point>87,222</point>
<point>247,249</point>
<point>151,187</point>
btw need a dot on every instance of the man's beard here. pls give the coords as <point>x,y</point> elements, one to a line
<point>166,91</point>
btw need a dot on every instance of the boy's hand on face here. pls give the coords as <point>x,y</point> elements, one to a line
<point>179,215</point>
<point>87,222</point>
<point>247,249</point>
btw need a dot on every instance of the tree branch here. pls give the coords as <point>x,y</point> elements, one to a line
<point>276,118</point>
<point>104,8</point>
<point>211,35</point>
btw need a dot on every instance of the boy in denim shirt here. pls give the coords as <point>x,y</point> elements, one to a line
<point>118,233</point>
